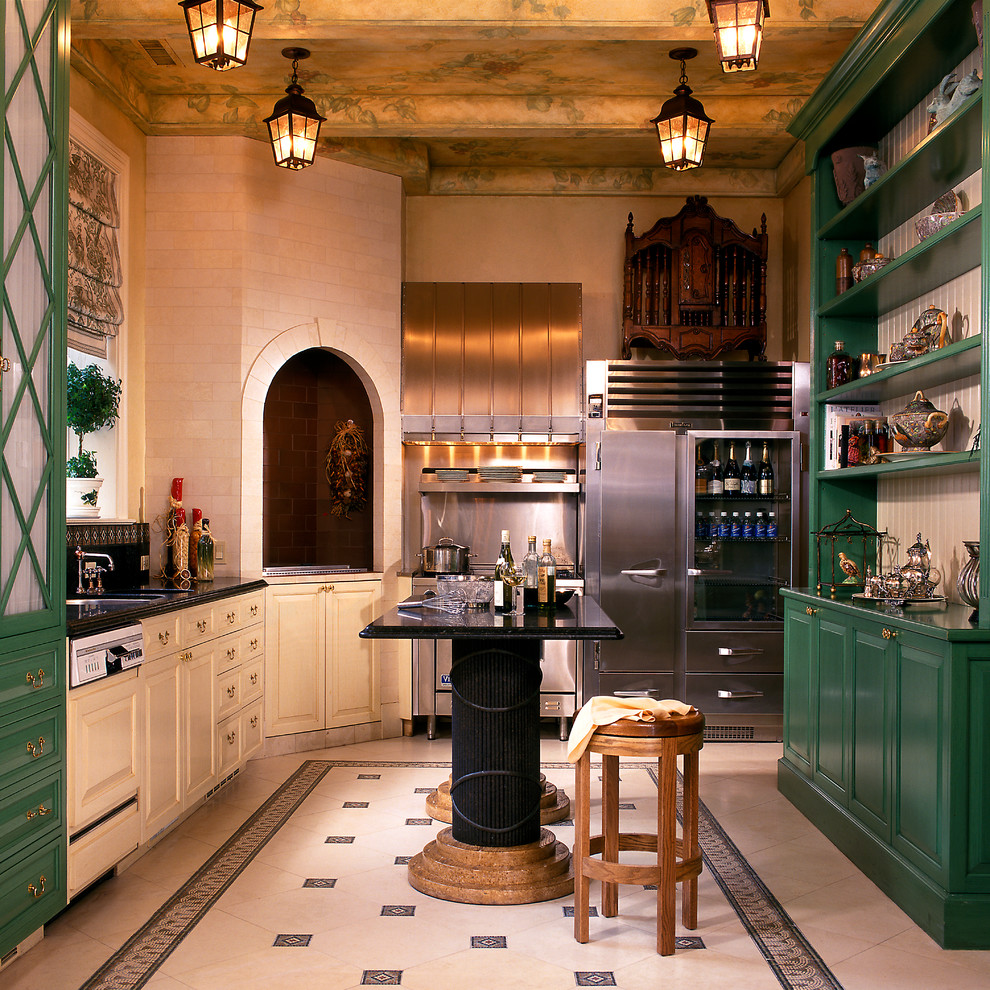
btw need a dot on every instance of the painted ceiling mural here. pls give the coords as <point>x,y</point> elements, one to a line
<point>495,96</point>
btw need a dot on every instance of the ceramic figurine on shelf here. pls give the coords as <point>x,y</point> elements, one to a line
<point>951,96</point>
<point>874,168</point>
<point>849,568</point>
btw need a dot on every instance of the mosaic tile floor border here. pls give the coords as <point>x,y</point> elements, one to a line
<point>786,951</point>
<point>136,961</point>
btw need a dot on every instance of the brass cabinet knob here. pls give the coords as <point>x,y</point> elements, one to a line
<point>39,890</point>
<point>36,751</point>
<point>231,617</point>
<point>201,625</point>
<point>163,638</point>
<point>254,609</point>
<point>231,653</point>
<point>36,681</point>
<point>231,691</point>
<point>811,611</point>
<point>254,643</point>
<point>254,678</point>
<point>231,736</point>
<point>889,633</point>
<point>42,810</point>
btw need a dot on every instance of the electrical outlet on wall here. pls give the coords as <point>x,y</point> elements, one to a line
<point>220,552</point>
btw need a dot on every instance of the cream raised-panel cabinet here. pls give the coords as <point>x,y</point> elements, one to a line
<point>162,790</point>
<point>320,675</point>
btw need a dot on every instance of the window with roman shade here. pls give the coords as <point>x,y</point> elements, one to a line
<point>95,307</point>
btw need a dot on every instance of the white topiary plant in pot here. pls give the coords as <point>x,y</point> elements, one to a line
<point>92,401</point>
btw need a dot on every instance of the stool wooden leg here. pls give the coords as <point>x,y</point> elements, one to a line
<point>582,844</point>
<point>689,841</point>
<point>666,847</point>
<point>610,831</point>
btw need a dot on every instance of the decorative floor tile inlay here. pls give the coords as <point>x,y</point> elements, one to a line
<point>569,911</point>
<point>594,979</point>
<point>424,790</point>
<point>489,942</point>
<point>398,910</point>
<point>136,961</point>
<point>369,776</point>
<point>355,804</point>
<point>627,807</point>
<point>381,978</point>
<point>292,940</point>
<point>786,951</point>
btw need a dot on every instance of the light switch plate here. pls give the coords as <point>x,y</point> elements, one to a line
<point>220,552</point>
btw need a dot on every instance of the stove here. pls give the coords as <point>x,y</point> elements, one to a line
<point>560,664</point>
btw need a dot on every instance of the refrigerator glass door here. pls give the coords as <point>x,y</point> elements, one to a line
<point>638,550</point>
<point>741,547</point>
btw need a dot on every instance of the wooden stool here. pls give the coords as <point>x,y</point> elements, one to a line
<point>678,860</point>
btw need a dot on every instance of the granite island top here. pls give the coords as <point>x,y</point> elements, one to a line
<point>580,618</point>
<point>125,606</point>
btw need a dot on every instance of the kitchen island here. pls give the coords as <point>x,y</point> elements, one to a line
<point>495,852</point>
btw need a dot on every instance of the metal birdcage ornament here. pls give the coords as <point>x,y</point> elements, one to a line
<point>844,549</point>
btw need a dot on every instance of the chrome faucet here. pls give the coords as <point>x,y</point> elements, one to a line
<point>93,573</point>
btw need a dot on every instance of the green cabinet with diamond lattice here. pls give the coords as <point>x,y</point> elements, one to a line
<point>32,469</point>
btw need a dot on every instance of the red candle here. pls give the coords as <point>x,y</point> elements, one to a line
<point>177,489</point>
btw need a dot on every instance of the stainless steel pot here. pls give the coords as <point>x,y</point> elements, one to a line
<point>447,557</point>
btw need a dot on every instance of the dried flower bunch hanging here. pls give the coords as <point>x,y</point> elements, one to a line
<point>347,469</point>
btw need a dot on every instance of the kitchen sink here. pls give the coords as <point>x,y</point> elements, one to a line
<point>128,598</point>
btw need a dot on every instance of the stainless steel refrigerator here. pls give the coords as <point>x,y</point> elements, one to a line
<point>698,606</point>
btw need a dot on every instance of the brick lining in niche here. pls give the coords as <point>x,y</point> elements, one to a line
<point>310,393</point>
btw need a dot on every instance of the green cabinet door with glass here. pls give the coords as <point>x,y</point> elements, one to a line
<point>32,471</point>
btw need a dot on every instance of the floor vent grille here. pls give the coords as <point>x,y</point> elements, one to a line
<point>730,733</point>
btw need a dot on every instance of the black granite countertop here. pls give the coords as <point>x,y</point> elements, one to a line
<point>580,618</point>
<point>123,607</point>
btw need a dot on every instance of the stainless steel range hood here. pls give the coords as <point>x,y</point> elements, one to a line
<point>492,361</point>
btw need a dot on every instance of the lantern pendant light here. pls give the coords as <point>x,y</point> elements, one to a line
<point>682,124</point>
<point>294,124</point>
<point>738,31</point>
<point>220,31</point>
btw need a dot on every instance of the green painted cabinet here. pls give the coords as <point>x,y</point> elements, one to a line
<point>886,749</point>
<point>33,844</point>
<point>885,745</point>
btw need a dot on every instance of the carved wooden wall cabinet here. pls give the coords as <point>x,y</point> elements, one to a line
<point>695,285</point>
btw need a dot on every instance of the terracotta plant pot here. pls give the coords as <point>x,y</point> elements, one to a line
<point>850,172</point>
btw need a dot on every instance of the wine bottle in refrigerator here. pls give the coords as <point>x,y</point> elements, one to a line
<point>530,566</point>
<point>715,478</point>
<point>700,473</point>
<point>766,472</point>
<point>732,478</point>
<point>546,580</point>
<point>747,485</point>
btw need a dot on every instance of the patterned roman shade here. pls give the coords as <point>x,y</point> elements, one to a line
<point>94,299</point>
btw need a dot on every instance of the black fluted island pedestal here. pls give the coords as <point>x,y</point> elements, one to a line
<point>495,851</point>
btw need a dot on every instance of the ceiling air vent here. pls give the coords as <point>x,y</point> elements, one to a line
<point>160,52</point>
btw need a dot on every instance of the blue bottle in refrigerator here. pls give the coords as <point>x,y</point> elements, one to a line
<point>771,526</point>
<point>724,526</point>
<point>736,526</point>
<point>747,527</point>
<point>760,529</point>
<point>700,527</point>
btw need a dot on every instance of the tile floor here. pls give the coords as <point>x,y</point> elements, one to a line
<point>336,935</point>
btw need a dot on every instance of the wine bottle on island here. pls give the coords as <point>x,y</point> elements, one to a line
<point>731,479</point>
<point>503,589</point>
<point>546,580</point>
<point>530,566</point>
<point>766,472</point>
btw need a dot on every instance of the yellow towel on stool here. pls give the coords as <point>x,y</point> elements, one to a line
<point>604,710</point>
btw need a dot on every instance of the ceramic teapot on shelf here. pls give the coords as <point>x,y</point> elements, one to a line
<point>919,425</point>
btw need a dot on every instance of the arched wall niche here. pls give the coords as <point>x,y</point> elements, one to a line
<point>381,384</point>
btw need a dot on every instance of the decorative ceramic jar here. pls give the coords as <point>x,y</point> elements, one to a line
<point>919,425</point>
